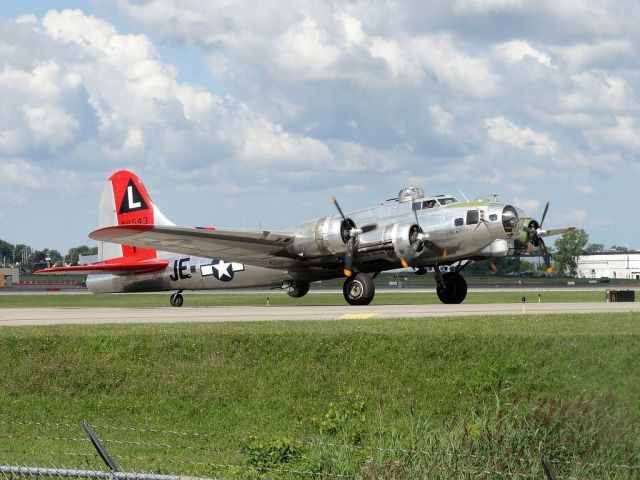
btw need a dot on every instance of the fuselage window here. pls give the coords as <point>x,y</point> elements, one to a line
<point>472,217</point>
<point>459,222</point>
<point>493,217</point>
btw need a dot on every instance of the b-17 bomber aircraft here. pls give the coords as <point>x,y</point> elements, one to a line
<point>140,250</point>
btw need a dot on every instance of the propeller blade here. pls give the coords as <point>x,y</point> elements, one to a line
<point>556,231</point>
<point>544,214</point>
<point>494,267</point>
<point>348,257</point>
<point>545,255</point>
<point>335,202</point>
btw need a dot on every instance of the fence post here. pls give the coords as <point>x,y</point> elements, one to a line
<point>99,447</point>
<point>547,469</point>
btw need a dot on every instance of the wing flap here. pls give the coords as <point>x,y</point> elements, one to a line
<point>261,248</point>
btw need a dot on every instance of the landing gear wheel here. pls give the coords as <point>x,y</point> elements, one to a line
<point>176,300</point>
<point>297,289</point>
<point>359,290</point>
<point>453,288</point>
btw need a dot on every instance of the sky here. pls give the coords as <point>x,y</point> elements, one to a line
<point>245,114</point>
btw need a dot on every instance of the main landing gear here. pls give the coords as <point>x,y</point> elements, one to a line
<point>451,287</point>
<point>359,289</point>
<point>176,299</point>
<point>296,288</point>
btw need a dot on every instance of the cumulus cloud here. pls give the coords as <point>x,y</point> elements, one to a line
<point>625,134</point>
<point>517,50</point>
<point>584,189</point>
<point>606,52</point>
<point>504,131</point>
<point>113,92</point>
<point>323,95</point>
<point>462,7</point>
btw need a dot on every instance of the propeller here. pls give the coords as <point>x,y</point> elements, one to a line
<point>535,232</point>
<point>350,234</point>
<point>417,240</point>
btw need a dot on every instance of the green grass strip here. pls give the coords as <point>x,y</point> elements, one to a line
<point>478,397</point>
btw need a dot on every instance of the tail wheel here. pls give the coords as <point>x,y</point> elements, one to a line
<point>452,289</point>
<point>359,289</point>
<point>176,300</point>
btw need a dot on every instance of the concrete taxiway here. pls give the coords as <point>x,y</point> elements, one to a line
<point>66,316</point>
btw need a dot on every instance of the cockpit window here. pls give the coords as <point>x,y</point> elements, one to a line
<point>447,200</point>
<point>472,217</point>
<point>428,204</point>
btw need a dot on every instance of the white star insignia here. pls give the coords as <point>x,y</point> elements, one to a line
<point>223,269</point>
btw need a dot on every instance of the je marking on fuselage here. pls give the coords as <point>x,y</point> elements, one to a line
<point>179,268</point>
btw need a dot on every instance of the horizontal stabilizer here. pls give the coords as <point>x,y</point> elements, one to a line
<point>145,266</point>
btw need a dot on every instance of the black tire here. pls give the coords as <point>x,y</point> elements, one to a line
<point>454,290</point>
<point>359,289</point>
<point>176,300</point>
<point>298,289</point>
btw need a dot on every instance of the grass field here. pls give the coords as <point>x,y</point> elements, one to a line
<point>427,398</point>
<point>279,298</point>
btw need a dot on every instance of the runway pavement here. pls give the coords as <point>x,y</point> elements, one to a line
<point>62,316</point>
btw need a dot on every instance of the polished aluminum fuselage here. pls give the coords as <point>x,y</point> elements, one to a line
<point>318,249</point>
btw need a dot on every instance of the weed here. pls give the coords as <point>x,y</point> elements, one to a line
<point>344,418</point>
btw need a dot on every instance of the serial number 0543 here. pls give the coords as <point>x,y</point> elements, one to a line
<point>141,220</point>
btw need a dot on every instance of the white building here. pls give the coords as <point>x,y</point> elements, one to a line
<point>610,264</point>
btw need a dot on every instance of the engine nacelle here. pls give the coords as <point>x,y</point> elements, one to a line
<point>327,236</point>
<point>405,239</point>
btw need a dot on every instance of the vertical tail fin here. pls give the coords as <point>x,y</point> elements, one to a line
<point>124,201</point>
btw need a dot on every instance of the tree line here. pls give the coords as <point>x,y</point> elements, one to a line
<point>28,259</point>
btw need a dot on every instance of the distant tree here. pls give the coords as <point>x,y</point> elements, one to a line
<point>21,254</point>
<point>594,247</point>
<point>619,248</point>
<point>55,256</point>
<point>74,253</point>
<point>6,251</point>
<point>44,258</point>
<point>479,267</point>
<point>567,248</point>
<point>526,266</point>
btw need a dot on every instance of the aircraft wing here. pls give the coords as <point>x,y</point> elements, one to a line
<point>260,248</point>
<point>146,266</point>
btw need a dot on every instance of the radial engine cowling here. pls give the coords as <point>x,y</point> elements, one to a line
<point>405,237</point>
<point>327,236</point>
<point>523,240</point>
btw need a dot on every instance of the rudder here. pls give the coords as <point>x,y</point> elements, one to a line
<point>125,201</point>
